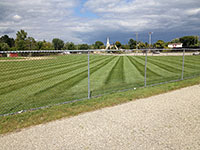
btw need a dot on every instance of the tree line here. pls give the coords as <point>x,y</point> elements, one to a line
<point>23,42</point>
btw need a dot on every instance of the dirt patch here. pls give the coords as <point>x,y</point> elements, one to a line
<point>27,59</point>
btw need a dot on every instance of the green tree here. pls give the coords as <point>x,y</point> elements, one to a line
<point>132,44</point>
<point>118,44</point>
<point>21,35</point>
<point>4,47</point>
<point>20,41</point>
<point>69,46</point>
<point>83,47</point>
<point>39,45</point>
<point>176,40</point>
<point>141,45</point>
<point>31,43</point>
<point>189,41</point>
<point>159,44</point>
<point>47,46</point>
<point>98,45</point>
<point>146,45</point>
<point>125,46</point>
<point>58,44</point>
<point>8,40</point>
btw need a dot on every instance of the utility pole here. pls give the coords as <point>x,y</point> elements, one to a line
<point>150,33</point>
<point>136,40</point>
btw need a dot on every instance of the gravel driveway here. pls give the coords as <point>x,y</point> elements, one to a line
<point>163,122</point>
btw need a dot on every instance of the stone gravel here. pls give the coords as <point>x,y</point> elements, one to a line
<point>169,121</point>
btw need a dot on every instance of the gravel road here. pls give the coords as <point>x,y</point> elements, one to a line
<point>169,121</point>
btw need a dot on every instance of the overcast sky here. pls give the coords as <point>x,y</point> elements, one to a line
<point>86,21</point>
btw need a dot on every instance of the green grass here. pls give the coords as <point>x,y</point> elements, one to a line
<point>27,119</point>
<point>36,83</point>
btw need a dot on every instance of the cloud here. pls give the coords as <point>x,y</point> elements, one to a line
<point>147,15</point>
<point>119,19</point>
<point>193,11</point>
<point>17,17</point>
<point>6,30</point>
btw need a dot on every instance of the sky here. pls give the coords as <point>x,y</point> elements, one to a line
<point>87,21</point>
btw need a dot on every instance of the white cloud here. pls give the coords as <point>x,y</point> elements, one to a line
<point>145,14</point>
<point>47,19</point>
<point>17,17</point>
<point>193,11</point>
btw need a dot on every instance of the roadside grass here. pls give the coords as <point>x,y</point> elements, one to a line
<point>16,122</point>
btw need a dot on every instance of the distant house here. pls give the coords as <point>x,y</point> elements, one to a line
<point>175,45</point>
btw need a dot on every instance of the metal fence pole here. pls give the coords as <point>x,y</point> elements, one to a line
<point>182,74</point>
<point>145,72</point>
<point>89,75</point>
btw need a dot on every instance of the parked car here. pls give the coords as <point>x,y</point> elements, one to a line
<point>156,52</point>
<point>196,53</point>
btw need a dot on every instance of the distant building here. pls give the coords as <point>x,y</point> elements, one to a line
<point>12,55</point>
<point>110,46</point>
<point>175,45</point>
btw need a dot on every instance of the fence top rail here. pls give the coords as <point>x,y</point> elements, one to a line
<point>93,50</point>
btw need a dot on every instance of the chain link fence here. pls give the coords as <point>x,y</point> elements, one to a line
<point>33,80</point>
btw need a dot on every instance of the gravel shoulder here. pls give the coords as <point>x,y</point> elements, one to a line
<point>169,121</point>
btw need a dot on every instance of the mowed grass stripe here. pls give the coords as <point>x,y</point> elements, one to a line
<point>138,66</point>
<point>43,62</point>
<point>116,74</point>
<point>178,60</point>
<point>31,63</point>
<point>35,78</point>
<point>195,59</point>
<point>98,78</point>
<point>192,60</point>
<point>75,79</point>
<point>39,77</point>
<point>132,74</point>
<point>163,72</point>
<point>61,94</point>
<point>48,71</point>
<point>164,75</point>
<point>26,66</point>
<point>29,72</point>
<point>42,70</point>
<point>37,65</point>
<point>164,65</point>
<point>40,66</point>
<point>53,95</point>
<point>95,72</point>
<point>25,99</point>
<point>150,71</point>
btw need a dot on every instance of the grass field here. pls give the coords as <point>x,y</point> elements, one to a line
<point>10,58</point>
<point>36,83</point>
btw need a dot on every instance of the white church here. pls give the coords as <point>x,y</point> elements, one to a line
<point>110,46</point>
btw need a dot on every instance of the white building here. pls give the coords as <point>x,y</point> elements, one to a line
<point>175,45</point>
<point>109,46</point>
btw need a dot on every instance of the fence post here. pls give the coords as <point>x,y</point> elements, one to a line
<point>88,74</point>
<point>182,74</point>
<point>145,72</point>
